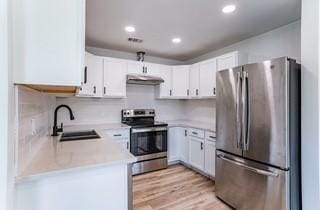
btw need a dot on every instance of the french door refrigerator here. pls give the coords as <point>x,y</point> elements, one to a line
<point>258,136</point>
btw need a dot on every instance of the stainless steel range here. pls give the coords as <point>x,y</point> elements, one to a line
<point>148,140</point>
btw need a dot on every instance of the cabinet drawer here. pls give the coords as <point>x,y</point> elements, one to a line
<point>118,133</point>
<point>210,136</point>
<point>196,133</point>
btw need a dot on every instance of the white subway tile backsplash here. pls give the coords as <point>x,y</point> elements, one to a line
<point>32,105</point>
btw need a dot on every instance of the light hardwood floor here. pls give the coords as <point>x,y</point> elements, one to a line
<point>175,188</point>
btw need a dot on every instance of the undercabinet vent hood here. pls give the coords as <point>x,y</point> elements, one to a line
<point>141,79</point>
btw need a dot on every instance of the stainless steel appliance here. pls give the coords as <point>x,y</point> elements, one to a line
<point>258,136</point>
<point>148,140</point>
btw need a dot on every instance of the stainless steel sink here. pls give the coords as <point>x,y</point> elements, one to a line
<point>79,135</point>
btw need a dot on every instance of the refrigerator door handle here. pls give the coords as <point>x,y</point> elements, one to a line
<point>238,118</point>
<point>250,168</point>
<point>245,111</point>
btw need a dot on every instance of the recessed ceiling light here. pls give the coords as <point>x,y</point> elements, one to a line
<point>229,8</point>
<point>130,29</point>
<point>176,40</point>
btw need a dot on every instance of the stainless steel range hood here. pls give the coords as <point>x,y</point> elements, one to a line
<point>141,79</point>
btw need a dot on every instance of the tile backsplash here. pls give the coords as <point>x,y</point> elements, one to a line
<point>35,116</point>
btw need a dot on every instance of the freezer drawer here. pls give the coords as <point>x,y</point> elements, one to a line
<point>246,185</point>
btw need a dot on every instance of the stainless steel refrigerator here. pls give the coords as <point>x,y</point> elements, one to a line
<point>258,136</point>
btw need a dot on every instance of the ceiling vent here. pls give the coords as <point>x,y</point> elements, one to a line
<point>135,40</point>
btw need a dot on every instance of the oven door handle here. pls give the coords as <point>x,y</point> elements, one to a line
<point>151,129</point>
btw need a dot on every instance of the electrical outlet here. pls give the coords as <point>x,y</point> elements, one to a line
<point>33,126</point>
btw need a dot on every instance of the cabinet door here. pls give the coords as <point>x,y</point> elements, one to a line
<point>135,67</point>
<point>196,152</point>
<point>152,69</point>
<point>114,77</point>
<point>173,144</point>
<point>48,41</point>
<point>184,146</point>
<point>208,78</point>
<point>165,72</point>
<point>92,76</point>
<point>180,81</point>
<point>226,61</point>
<point>124,144</point>
<point>194,80</point>
<point>210,155</point>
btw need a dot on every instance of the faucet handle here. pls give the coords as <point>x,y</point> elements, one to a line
<point>61,128</point>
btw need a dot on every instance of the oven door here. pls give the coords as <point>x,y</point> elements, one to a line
<point>148,142</point>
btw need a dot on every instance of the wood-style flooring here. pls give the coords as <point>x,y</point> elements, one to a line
<point>175,188</point>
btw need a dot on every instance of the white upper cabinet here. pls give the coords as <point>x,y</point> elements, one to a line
<point>135,67</point>
<point>48,39</point>
<point>194,80</point>
<point>164,89</point>
<point>91,76</point>
<point>114,78</point>
<point>180,81</point>
<point>226,61</point>
<point>151,69</point>
<point>208,78</point>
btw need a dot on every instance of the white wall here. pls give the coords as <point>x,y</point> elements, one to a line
<point>6,112</point>
<point>283,41</point>
<point>310,104</point>
<point>130,56</point>
<point>201,110</point>
<point>88,110</point>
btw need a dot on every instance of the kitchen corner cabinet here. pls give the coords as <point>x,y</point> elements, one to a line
<point>91,76</point>
<point>208,78</point>
<point>48,41</point>
<point>230,60</point>
<point>194,80</point>
<point>180,82</point>
<point>114,78</point>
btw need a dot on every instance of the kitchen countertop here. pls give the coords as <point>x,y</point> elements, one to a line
<point>192,124</point>
<point>57,157</point>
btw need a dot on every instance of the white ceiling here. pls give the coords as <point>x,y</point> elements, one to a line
<point>200,24</point>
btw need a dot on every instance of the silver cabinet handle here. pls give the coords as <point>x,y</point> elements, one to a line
<point>188,92</point>
<point>197,92</point>
<point>104,90</point>
<point>201,145</point>
<point>170,92</point>
<point>245,112</point>
<point>185,132</point>
<point>214,91</point>
<point>211,137</point>
<point>238,118</point>
<point>195,133</point>
<point>94,89</point>
<point>250,168</point>
<point>117,135</point>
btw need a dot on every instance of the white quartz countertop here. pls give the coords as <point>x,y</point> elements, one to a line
<point>192,124</point>
<point>56,157</point>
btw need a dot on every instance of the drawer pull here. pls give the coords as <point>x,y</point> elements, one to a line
<point>211,137</point>
<point>117,135</point>
<point>195,133</point>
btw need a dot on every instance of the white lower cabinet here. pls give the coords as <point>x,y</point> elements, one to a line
<point>184,145</point>
<point>173,144</point>
<point>194,147</point>
<point>210,153</point>
<point>121,136</point>
<point>196,152</point>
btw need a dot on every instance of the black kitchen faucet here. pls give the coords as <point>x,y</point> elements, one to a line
<point>56,129</point>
